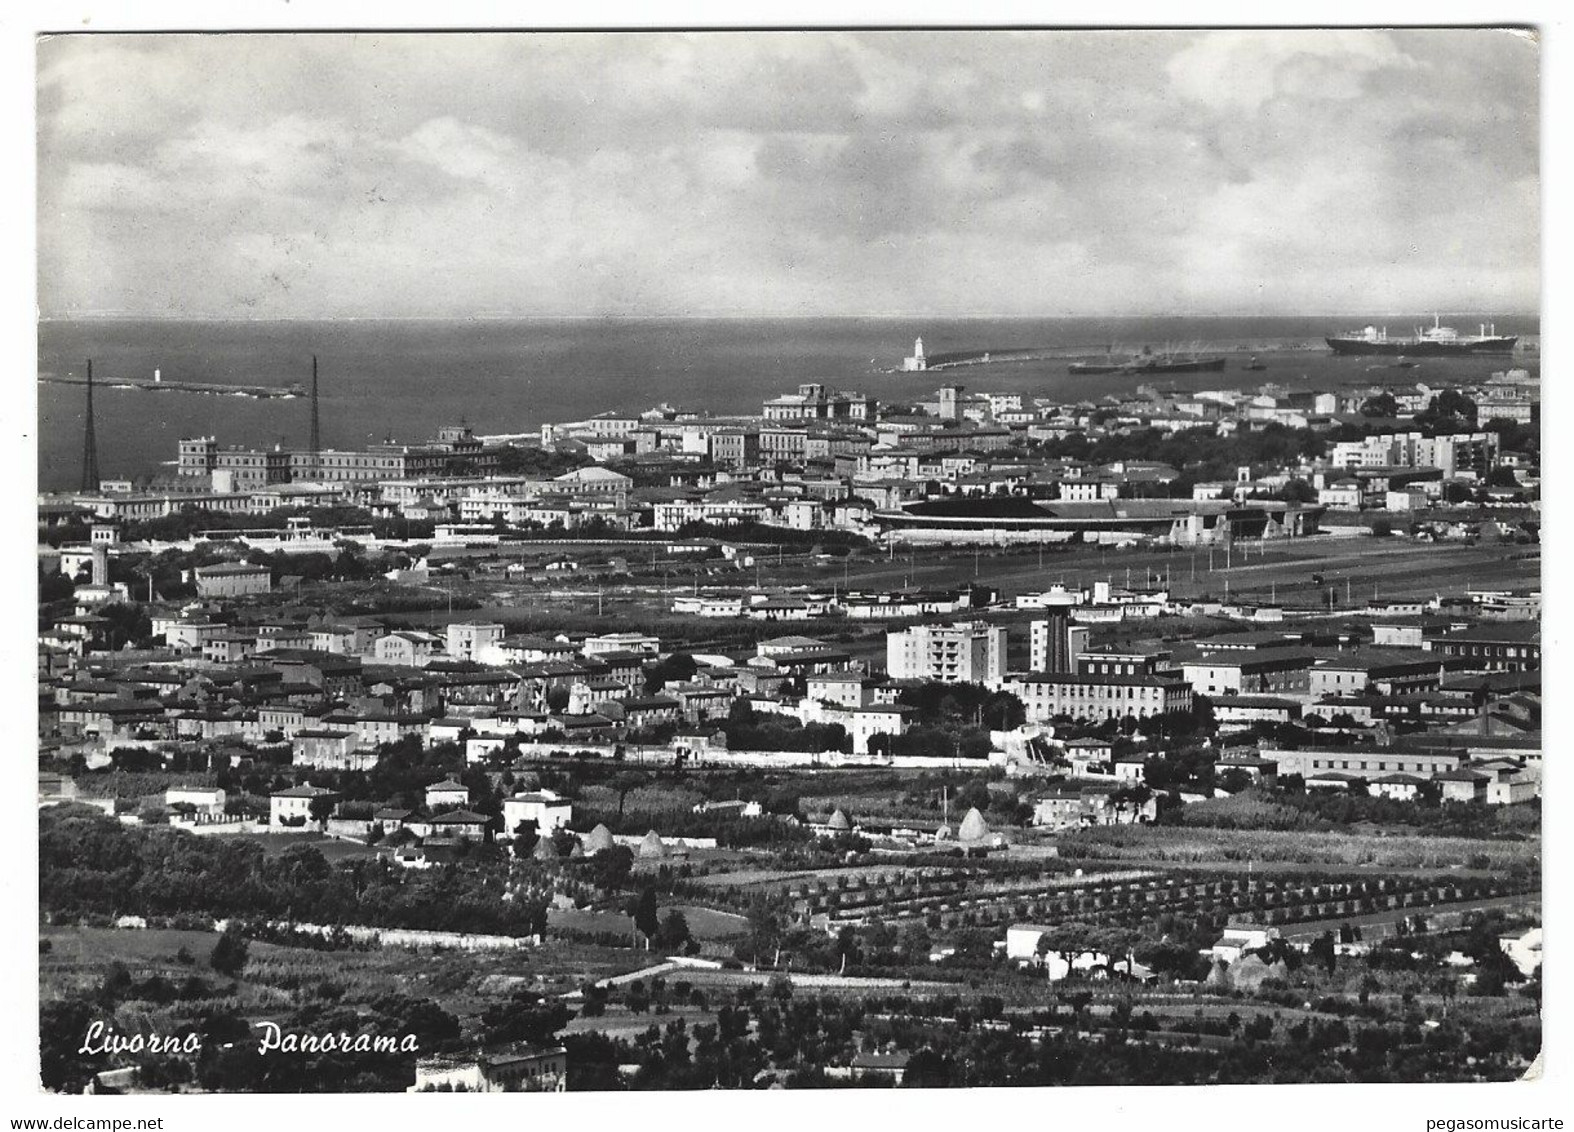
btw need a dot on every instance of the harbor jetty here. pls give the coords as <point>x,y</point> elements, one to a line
<point>157,384</point>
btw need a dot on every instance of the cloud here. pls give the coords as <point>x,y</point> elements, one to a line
<point>467,152</point>
<point>951,173</point>
<point>1241,70</point>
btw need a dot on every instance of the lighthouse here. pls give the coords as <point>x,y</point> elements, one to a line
<point>917,362</point>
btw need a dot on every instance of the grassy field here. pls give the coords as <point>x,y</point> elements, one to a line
<point>1202,845</point>
<point>577,920</point>
<point>279,977</point>
<point>151,949</point>
<point>331,848</point>
<point>708,923</point>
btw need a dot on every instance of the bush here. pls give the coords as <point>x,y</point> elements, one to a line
<point>229,954</point>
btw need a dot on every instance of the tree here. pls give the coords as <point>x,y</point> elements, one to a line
<point>612,868</point>
<point>1234,780</point>
<point>674,931</point>
<point>432,1026</point>
<point>780,988</point>
<point>1322,951</point>
<point>636,997</point>
<point>927,1069</point>
<point>61,1027</point>
<point>646,915</point>
<point>229,953</point>
<point>1381,405</point>
<point>1298,491</point>
<point>624,784</point>
<point>525,837</point>
<point>1449,411</point>
<point>1117,943</point>
<point>1067,940</point>
<point>677,667</point>
<point>526,1017</point>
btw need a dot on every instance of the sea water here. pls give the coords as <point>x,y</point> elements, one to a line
<point>404,379</point>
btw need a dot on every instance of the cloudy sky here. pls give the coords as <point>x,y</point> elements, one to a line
<point>1038,173</point>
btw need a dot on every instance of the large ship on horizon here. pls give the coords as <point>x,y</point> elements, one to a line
<point>1433,341</point>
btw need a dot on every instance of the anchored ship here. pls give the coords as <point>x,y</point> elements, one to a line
<point>1434,340</point>
<point>1174,362</point>
<point>1147,361</point>
<point>1109,363</point>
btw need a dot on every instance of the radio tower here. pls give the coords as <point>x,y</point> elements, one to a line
<point>316,433</point>
<point>90,477</point>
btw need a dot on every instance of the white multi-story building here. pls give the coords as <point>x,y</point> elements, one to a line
<point>473,640</point>
<point>644,643</point>
<point>966,652</point>
<point>1082,696</point>
<point>1460,452</point>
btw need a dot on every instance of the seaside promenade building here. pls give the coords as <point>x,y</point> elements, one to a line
<point>456,450</point>
<point>814,402</point>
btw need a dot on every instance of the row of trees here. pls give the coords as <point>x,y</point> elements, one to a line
<point>93,865</point>
<point>796,1037</point>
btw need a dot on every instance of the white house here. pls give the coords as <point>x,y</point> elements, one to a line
<point>549,811</point>
<point>1238,939</point>
<point>406,646</point>
<point>1399,787</point>
<point>206,799</point>
<point>1132,767</point>
<point>447,793</point>
<point>473,640</point>
<point>643,643</point>
<point>1523,950</point>
<point>481,748</point>
<point>292,808</point>
<point>1022,941</point>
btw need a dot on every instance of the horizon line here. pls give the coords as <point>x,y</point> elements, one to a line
<point>121,316</point>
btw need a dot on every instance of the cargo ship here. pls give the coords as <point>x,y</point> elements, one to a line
<point>1173,362</point>
<point>1433,341</point>
<point>1149,362</point>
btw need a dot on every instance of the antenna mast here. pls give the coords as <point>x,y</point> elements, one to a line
<point>316,441</point>
<point>90,476</point>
